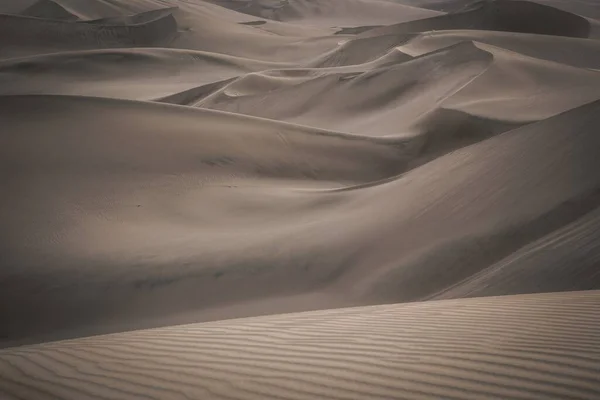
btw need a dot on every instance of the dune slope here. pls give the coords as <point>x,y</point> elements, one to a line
<point>18,34</point>
<point>212,207</point>
<point>169,162</point>
<point>48,9</point>
<point>499,15</point>
<point>322,12</point>
<point>517,347</point>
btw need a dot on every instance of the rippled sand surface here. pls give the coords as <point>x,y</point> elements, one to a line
<point>168,162</point>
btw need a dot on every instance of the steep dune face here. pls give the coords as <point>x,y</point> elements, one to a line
<point>48,9</point>
<point>360,51</point>
<point>378,102</point>
<point>584,8</point>
<point>167,161</point>
<point>321,12</point>
<point>391,100</point>
<point>570,250</point>
<point>583,53</point>
<point>199,208</point>
<point>136,74</point>
<point>477,195</point>
<point>505,16</point>
<point>205,27</point>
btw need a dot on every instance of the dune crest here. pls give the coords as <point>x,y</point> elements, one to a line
<point>537,346</point>
<point>319,12</point>
<point>519,16</point>
<point>48,9</point>
<point>18,34</point>
<point>189,188</point>
<point>168,162</point>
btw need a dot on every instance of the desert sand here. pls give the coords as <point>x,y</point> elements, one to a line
<point>542,346</point>
<point>169,162</point>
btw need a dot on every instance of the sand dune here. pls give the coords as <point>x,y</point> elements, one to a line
<point>183,207</point>
<point>96,9</point>
<point>499,15</point>
<point>360,51</point>
<point>380,87</point>
<point>555,257</point>
<point>584,8</point>
<point>518,347</point>
<point>576,52</point>
<point>322,12</point>
<point>48,9</point>
<point>136,74</point>
<point>380,101</point>
<point>18,34</point>
<point>389,100</point>
<point>171,162</point>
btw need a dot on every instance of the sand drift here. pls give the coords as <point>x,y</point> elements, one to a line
<point>168,162</point>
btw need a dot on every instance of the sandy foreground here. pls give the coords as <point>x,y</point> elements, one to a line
<point>168,162</point>
<point>542,346</point>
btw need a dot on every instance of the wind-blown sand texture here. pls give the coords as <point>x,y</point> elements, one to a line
<point>542,346</point>
<point>169,162</point>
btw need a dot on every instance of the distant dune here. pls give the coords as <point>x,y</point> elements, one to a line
<point>19,32</point>
<point>48,9</point>
<point>328,13</point>
<point>170,162</point>
<point>516,16</point>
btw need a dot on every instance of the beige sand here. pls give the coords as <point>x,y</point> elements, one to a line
<point>516,347</point>
<point>170,162</point>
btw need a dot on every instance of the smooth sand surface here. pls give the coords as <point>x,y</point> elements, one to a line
<point>168,162</point>
<point>542,346</point>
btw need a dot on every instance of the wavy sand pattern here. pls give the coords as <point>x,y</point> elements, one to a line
<point>517,347</point>
<point>168,162</point>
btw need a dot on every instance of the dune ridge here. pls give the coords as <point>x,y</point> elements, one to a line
<point>569,51</point>
<point>318,12</point>
<point>517,16</point>
<point>169,162</point>
<point>575,244</point>
<point>19,32</point>
<point>177,210</point>
<point>48,9</point>
<point>521,347</point>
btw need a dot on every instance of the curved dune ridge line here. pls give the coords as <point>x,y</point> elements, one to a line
<point>20,32</point>
<point>319,12</point>
<point>584,8</point>
<point>455,78</point>
<point>133,73</point>
<point>359,51</point>
<point>505,15</point>
<point>168,162</point>
<point>583,53</point>
<point>48,9</point>
<point>90,10</point>
<point>549,256</point>
<point>515,347</point>
<point>172,212</point>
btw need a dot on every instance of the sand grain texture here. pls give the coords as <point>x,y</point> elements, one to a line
<point>167,162</point>
<point>516,347</point>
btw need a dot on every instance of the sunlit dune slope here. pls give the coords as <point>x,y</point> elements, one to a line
<point>517,347</point>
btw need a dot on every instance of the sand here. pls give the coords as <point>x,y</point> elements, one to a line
<point>542,346</point>
<point>168,162</point>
